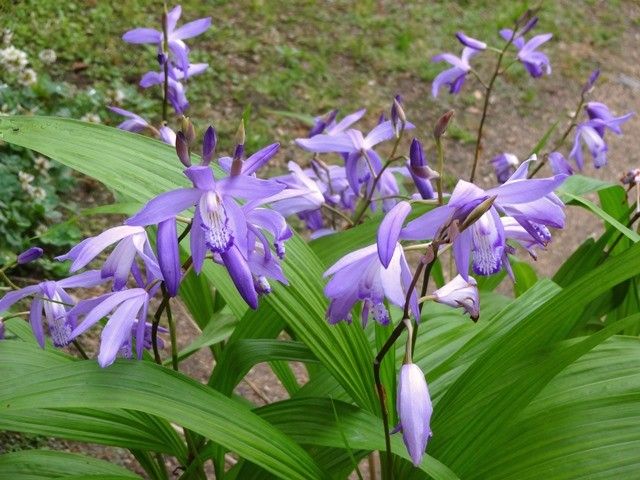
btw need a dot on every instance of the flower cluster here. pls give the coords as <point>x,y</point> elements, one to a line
<point>175,69</point>
<point>534,61</point>
<point>238,221</point>
<point>15,62</point>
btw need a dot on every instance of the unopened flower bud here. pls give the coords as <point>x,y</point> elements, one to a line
<point>414,411</point>
<point>182,149</point>
<point>189,130</point>
<point>29,255</point>
<point>209,145</point>
<point>418,163</point>
<point>593,78</point>
<point>442,124</point>
<point>460,293</point>
<point>398,117</point>
<point>482,208</point>
<point>238,154</point>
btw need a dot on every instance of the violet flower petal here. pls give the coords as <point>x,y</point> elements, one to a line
<point>165,205</point>
<point>169,255</point>
<point>389,231</point>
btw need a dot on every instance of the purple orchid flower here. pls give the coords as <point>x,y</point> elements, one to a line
<point>453,77</point>
<point>131,242</point>
<point>460,293</point>
<point>135,123</point>
<point>587,133</point>
<point>529,201</point>
<point>51,297</point>
<point>302,193</point>
<point>328,125</point>
<point>504,165</point>
<point>129,309</point>
<point>219,223</point>
<point>175,36</point>
<point>599,111</point>
<point>361,158</point>
<point>414,411</point>
<point>536,63</point>
<point>157,78</point>
<point>372,274</point>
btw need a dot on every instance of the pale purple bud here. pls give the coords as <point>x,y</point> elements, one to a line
<point>504,165</point>
<point>418,163</point>
<point>593,78</point>
<point>442,124</point>
<point>209,145</point>
<point>29,255</point>
<point>182,149</point>
<point>632,176</point>
<point>414,411</point>
<point>470,42</point>
<point>1,330</point>
<point>460,293</point>
<point>530,20</point>
<point>398,117</point>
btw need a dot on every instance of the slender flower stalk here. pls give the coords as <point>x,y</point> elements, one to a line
<point>485,106</point>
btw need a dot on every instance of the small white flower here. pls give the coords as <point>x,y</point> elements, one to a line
<point>27,77</point>
<point>42,164</point>
<point>13,59</point>
<point>48,56</point>
<point>25,180</point>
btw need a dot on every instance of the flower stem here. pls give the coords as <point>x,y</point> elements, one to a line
<point>337,212</point>
<point>165,64</point>
<point>560,142</point>
<point>154,328</point>
<point>395,334</point>
<point>485,107</point>
<point>172,331</point>
<point>440,150</point>
<point>8,281</point>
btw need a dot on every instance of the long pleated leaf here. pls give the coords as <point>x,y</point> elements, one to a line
<point>149,388</point>
<point>44,464</point>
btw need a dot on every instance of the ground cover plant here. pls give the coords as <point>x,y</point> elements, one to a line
<point>363,262</point>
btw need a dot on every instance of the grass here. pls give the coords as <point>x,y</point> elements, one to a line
<point>297,56</point>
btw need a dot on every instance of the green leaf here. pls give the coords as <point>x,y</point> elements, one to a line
<point>217,330</point>
<point>633,236</point>
<point>525,276</point>
<point>312,421</point>
<point>481,388</point>
<point>44,464</point>
<point>146,387</point>
<point>583,424</point>
<point>581,185</point>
